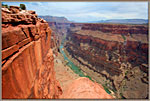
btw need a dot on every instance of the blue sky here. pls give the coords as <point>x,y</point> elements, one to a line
<point>89,11</point>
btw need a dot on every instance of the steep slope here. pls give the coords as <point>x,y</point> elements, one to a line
<point>27,59</point>
<point>116,54</point>
<point>55,19</point>
<point>59,30</point>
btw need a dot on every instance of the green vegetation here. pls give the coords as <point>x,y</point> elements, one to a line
<point>106,89</point>
<point>5,5</point>
<point>22,6</point>
<point>126,73</point>
<point>123,37</point>
<point>89,77</point>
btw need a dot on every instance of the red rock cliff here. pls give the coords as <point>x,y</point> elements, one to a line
<point>27,59</point>
<point>117,28</point>
<point>119,58</point>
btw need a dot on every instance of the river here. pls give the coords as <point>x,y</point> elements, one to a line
<point>76,69</point>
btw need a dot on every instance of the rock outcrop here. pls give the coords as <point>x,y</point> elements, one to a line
<point>117,28</point>
<point>27,59</point>
<point>83,88</point>
<point>118,53</point>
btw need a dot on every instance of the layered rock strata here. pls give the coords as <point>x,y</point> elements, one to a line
<point>119,53</point>
<point>117,28</point>
<point>27,59</point>
<point>77,87</point>
<point>59,30</point>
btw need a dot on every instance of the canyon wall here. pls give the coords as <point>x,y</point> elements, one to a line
<point>27,57</point>
<point>117,28</point>
<point>59,30</point>
<point>118,53</point>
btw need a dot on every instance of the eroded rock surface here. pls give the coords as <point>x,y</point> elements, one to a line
<point>117,28</point>
<point>27,59</point>
<point>113,51</point>
<point>83,88</point>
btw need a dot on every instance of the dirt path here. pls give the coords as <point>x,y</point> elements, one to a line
<point>63,73</point>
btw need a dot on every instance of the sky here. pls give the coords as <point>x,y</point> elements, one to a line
<point>89,11</point>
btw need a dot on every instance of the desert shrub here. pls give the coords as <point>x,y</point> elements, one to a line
<point>22,6</point>
<point>5,5</point>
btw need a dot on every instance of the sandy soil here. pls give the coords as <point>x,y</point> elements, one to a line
<point>64,74</point>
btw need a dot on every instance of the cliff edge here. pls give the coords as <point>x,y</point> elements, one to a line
<point>28,62</point>
<point>27,59</point>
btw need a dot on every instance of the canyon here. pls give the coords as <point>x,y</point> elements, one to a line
<point>115,55</point>
<point>31,60</point>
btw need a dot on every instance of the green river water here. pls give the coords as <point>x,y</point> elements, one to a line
<point>76,69</point>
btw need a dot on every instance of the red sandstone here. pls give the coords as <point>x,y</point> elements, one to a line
<point>83,88</point>
<point>28,63</point>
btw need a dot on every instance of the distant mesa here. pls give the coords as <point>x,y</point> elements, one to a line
<point>123,21</point>
<point>55,19</point>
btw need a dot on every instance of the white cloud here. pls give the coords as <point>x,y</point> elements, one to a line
<point>88,11</point>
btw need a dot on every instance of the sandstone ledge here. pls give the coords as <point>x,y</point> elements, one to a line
<point>83,88</point>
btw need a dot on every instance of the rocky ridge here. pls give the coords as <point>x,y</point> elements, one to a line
<point>114,51</point>
<point>27,59</point>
